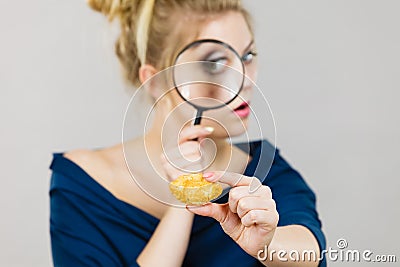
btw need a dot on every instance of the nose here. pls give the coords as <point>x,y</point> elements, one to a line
<point>248,83</point>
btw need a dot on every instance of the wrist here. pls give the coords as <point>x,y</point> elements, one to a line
<point>178,213</point>
<point>264,251</point>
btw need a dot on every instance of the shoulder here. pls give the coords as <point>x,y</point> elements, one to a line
<point>96,163</point>
<point>88,159</point>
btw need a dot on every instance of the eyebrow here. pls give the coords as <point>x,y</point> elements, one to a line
<point>248,46</point>
<point>205,58</point>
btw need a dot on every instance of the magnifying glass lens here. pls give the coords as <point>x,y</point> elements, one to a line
<point>214,76</point>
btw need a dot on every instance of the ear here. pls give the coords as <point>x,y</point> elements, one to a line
<point>146,71</point>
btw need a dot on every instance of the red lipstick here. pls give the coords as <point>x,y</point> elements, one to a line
<point>243,110</point>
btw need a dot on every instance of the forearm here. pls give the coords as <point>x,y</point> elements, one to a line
<point>168,244</point>
<point>291,238</point>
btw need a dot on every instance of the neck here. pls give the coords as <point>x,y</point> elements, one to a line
<point>163,135</point>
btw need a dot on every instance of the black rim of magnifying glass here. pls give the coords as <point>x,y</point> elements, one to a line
<point>201,109</point>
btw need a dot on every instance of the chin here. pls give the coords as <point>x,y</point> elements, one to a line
<point>233,130</point>
<point>237,131</point>
<point>227,127</point>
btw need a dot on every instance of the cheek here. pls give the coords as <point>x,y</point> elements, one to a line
<point>252,71</point>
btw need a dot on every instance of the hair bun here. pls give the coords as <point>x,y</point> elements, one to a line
<point>150,32</point>
<point>110,8</point>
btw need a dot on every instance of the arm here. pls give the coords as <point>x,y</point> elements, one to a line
<point>168,244</point>
<point>250,218</point>
<point>290,238</point>
<point>87,230</point>
<point>298,216</point>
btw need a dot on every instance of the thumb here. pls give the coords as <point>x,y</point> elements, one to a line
<point>217,211</point>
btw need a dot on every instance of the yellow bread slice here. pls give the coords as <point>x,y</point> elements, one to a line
<point>193,189</point>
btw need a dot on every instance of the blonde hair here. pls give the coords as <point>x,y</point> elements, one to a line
<point>151,30</point>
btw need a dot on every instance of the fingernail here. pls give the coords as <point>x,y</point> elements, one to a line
<point>209,129</point>
<point>208,174</point>
<point>190,208</point>
<point>196,209</point>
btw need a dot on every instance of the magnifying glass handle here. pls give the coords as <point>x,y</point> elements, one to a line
<point>197,120</point>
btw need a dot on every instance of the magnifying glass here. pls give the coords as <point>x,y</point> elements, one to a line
<point>210,75</point>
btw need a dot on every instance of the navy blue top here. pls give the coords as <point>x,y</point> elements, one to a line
<point>91,227</point>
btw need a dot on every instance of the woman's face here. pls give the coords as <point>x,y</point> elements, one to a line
<point>232,29</point>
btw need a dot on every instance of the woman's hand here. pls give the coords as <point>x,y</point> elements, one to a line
<point>250,216</point>
<point>186,156</point>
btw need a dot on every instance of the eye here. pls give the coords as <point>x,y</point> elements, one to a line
<point>249,56</point>
<point>215,66</point>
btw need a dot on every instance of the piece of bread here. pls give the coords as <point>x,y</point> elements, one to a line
<point>193,189</point>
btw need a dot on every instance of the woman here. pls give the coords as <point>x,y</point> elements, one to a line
<point>99,217</point>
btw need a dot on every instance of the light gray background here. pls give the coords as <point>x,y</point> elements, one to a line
<point>330,70</point>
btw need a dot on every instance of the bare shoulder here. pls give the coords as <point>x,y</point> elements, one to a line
<point>85,158</point>
<point>108,168</point>
<point>94,162</point>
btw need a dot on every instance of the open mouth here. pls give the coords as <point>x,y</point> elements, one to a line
<point>243,110</point>
<point>242,106</point>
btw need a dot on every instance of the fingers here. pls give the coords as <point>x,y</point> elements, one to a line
<point>217,211</point>
<point>240,193</point>
<point>251,210</point>
<point>188,151</point>
<point>247,204</point>
<point>186,156</point>
<point>235,179</point>
<point>183,159</point>
<point>171,172</point>
<point>240,202</point>
<point>179,167</point>
<point>192,132</point>
<point>260,217</point>
<point>254,208</point>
